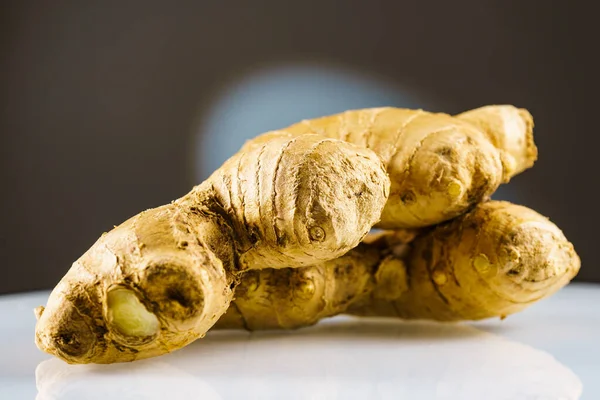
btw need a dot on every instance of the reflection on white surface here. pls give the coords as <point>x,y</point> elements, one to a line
<point>340,359</point>
<point>150,380</point>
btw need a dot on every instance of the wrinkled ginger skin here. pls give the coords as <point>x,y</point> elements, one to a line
<point>491,262</point>
<point>289,298</point>
<point>300,200</point>
<point>509,129</point>
<point>440,166</point>
<point>161,279</point>
<point>158,256</point>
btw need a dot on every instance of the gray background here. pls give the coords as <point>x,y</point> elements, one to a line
<point>111,107</point>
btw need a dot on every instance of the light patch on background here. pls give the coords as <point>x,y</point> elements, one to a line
<point>276,97</point>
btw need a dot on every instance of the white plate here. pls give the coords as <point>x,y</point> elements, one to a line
<point>550,351</point>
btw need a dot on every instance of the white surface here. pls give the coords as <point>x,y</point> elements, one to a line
<point>551,351</point>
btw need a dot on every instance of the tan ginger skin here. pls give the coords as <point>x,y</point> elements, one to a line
<point>289,198</point>
<point>491,262</point>
<point>161,279</point>
<point>439,166</point>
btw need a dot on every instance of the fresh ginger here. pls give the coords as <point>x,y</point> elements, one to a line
<point>439,166</point>
<point>299,199</point>
<point>491,262</point>
<point>161,279</point>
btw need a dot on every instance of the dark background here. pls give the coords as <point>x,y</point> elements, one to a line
<point>104,105</point>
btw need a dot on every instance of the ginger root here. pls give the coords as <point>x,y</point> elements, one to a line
<point>161,279</point>
<point>491,262</point>
<point>439,165</point>
<point>278,224</point>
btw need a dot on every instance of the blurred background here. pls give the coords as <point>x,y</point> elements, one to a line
<point>111,107</point>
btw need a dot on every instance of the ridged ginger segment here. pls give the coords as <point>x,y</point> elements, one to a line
<point>439,165</point>
<point>491,262</point>
<point>161,279</point>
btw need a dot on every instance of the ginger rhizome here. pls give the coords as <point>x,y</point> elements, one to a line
<point>439,166</point>
<point>161,279</point>
<point>491,262</point>
<point>277,227</point>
